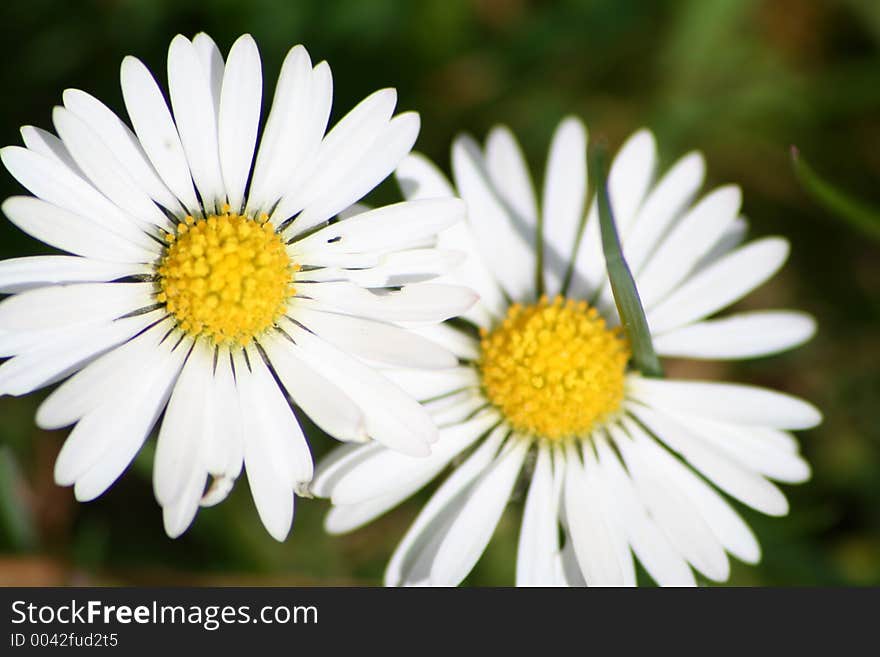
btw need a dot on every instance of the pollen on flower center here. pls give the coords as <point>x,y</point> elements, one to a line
<point>554,369</point>
<point>227,277</point>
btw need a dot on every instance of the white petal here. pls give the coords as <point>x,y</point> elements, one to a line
<point>45,143</point>
<point>38,362</point>
<point>74,233</point>
<point>539,533</point>
<point>57,184</point>
<point>425,385</point>
<point>385,229</point>
<point>745,335</point>
<point>180,440</point>
<point>224,453</point>
<point>733,533</point>
<point>405,267</point>
<point>337,463</point>
<point>239,116</point>
<point>412,561</point>
<point>457,407</point>
<point>79,303</point>
<point>281,435</point>
<point>783,440</point>
<point>726,402</point>
<point>105,172</point>
<point>630,176</point>
<point>327,406</point>
<point>333,261</point>
<point>17,342</point>
<point>389,148</point>
<point>731,477</point>
<point>588,275</point>
<point>663,563</point>
<point>628,181</point>
<point>567,571</point>
<point>207,432</point>
<point>347,518</point>
<point>720,285</point>
<point>19,274</point>
<point>473,526</point>
<point>124,145</point>
<point>662,207</point>
<point>212,61</point>
<point>732,238</point>
<point>748,447</point>
<point>273,465</point>
<point>593,541</point>
<point>196,119</point>
<point>474,272</point>
<point>385,471</point>
<point>272,496</point>
<point>502,240</point>
<point>298,186</point>
<point>50,361</point>
<point>392,417</point>
<point>217,490</point>
<point>419,302</point>
<point>419,178</point>
<point>458,342</point>
<point>378,342</point>
<point>116,430</point>
<point>155,129</point>
<point>113,371</point>
<point>697,232</point>
<point>509,172</point>
<point>564,200</point>
<point>292,132</point>
<point>616,535</point>
<point>177,517</point>
<point>343,147</point>
<point>673,511</point>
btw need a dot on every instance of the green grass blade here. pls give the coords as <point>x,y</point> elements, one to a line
<point>858,215</point>
<point>629,305</point>
<point>16,522</point>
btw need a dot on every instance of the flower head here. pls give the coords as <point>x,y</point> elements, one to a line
<point>620,466</point>
<point>211,278</point>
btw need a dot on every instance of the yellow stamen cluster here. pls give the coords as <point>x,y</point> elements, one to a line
<point>227,277</point>
<point>554,369</point>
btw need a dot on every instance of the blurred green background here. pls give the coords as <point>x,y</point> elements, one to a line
<point>739,79</point>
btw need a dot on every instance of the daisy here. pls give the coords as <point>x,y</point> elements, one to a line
<point>620,466</point>
<point>209,279</point>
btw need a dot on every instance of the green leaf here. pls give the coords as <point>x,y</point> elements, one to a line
<point>629,305</point>
<point>857,214</point>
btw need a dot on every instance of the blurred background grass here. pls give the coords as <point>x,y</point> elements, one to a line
<point>739,79</point>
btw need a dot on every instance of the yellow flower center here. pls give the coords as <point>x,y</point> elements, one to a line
<point>227,277</point>
<point>554,369</point>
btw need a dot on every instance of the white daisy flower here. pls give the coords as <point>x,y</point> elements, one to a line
<point>205,281</point>
<point>621,466</point>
